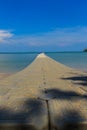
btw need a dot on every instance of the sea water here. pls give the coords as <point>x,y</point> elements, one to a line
<point>77,60</point>
<point>14,62</point>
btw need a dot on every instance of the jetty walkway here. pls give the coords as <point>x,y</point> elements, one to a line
<point>46,95</point>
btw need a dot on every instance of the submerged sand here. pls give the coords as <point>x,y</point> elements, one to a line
<point>46,91</point>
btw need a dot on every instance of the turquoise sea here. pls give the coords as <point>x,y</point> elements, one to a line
<point>14,62</point>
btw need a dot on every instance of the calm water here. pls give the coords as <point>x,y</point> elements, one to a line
<point>76,60</point>
<point>16,62</point>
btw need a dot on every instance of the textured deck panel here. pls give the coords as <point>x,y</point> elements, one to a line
<point>68,115</point>
<point>44,96</point>
<point>31,113</point>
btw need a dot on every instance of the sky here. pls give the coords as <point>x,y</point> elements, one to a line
<point>43,25</point>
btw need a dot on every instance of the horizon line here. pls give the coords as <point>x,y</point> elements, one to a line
<point>40,52</point>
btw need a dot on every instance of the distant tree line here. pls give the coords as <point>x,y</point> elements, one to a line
<point>85,50</point>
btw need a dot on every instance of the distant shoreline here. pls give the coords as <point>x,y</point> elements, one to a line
<point>41,52</point>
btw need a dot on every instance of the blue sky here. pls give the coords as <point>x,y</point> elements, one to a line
<point>43,25</point>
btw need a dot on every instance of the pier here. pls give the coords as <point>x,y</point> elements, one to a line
<point>46,95</point>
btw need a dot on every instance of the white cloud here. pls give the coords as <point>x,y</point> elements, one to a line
<point>58,37</point>
<point>5,35</point>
